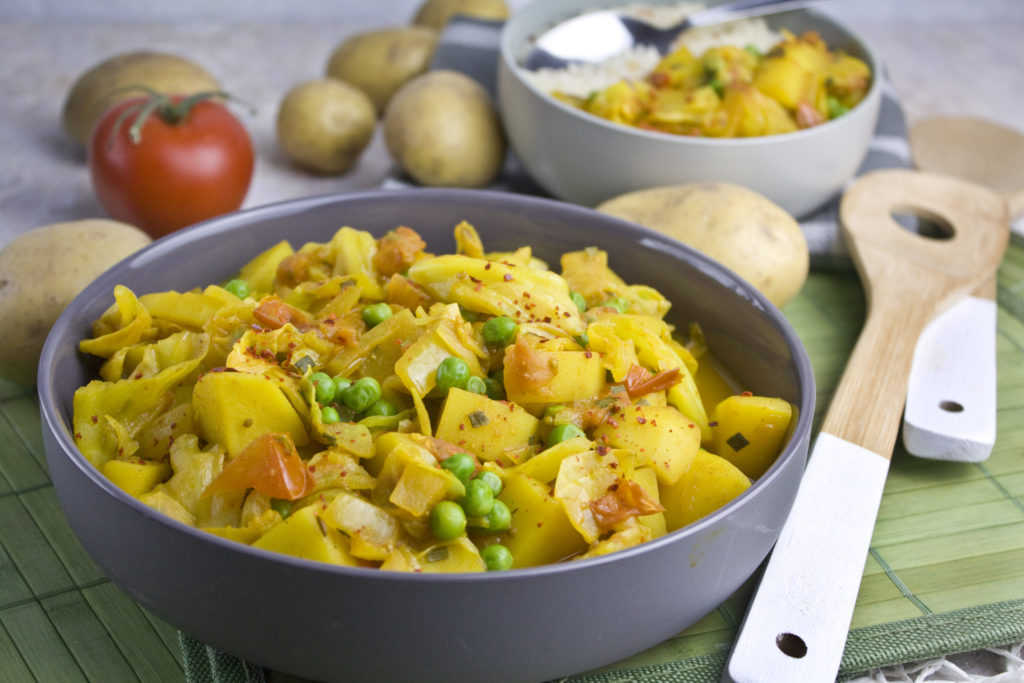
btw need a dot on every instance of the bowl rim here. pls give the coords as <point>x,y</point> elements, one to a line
<point>53,424</point>
<point>509,61</point>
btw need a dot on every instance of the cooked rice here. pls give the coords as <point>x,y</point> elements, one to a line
<point>582,79</point>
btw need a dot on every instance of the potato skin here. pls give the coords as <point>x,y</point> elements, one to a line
<point>380,62</point>
<point>442,129</point>
<point>437,13</point>
<point>92,93</point>
<point>325,125</point>
<point>738,227</point>
<point>41,271</point>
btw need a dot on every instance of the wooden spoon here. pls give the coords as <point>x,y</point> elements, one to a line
<point>796,625</point>
<point>951,401</point>
<point>974,149</point>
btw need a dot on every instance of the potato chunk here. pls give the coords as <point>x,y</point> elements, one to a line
<point>543,532</point>
<point>303,534</point>
<point>137,476</point>
<point>710,483</point>
<point>659,435</point>
<point>748,431</point>
<point>233,408</point>
<point>492,430</point>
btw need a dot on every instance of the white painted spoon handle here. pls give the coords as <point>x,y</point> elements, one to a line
<point>796,625</point>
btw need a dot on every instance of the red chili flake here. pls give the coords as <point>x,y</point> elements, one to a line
<point>566,314</point>
<point>713,424</point>
<point>588,354</point>
<point>692,426</point>
<point>746,393</point>
<point>487,266</point>
<point>547,318</point>
<point>473,279</point>
<point>526,295</point>
<point>602,450</point>
<point>540,524</point>
<point>461,427</point>
<point>78,435</point>
<point>641,419</point>
<point>312,468</point>
<point>507,277</point>
<point>613,422</point>
<point>94,419</point>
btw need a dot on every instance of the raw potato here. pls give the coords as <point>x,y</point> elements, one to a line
<point>442,129</point>
<point>41,271</point>
<point>325,125</point>
<point>437,13</point>
<point>738,227</point>
<point>381,62</point>
<point>93,92</point>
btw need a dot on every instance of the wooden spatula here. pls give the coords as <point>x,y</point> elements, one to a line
<point>796,625</point>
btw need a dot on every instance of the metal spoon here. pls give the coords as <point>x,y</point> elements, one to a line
<point>594,36</point>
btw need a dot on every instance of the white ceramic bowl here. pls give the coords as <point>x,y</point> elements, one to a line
<point>584,159</point>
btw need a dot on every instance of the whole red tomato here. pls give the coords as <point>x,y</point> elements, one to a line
<point>161,163</point>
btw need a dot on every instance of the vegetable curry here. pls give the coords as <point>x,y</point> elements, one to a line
<point>364,402</point>
<point>731,91</point>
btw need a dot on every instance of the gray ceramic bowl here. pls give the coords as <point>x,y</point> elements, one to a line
<point>585,159</point>
<point>352,624</point>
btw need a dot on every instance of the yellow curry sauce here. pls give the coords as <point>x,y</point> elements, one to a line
<point>364,402</point>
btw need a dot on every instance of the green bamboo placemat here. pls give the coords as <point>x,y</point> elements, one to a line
<point>945,572</point>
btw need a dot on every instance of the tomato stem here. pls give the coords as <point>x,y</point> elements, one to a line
<point>172,112</point>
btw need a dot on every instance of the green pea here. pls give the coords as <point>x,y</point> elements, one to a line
<point>578,299</point>
<point>618,303</point>
<point>341,383</point>
<point>375,314</point>
<point>452,372</point>
<point>361,395</point>
<point>462,465</point>
<point>281,506</point>
<point>329,415</point>
<point>476,384</point>
<point>324,386</point>
<point>835,107</point>
<point>447,520</point>
<point>563,432</point>
<point>499,331</point>
<point>479,498</point>
<point>497,557</point>
<point>492,480</point>
<point>499,518</point>
<point>239,288</point>
<point>381,407</point>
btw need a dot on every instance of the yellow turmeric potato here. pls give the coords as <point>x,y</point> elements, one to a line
<point>136,477</point>
<point>492,430</point>
<point>710,483</point>
<point>233,408</point>
<point>660,436</point>
<point>748,431</point>
<point>543,532</point>
<point>304,534</point>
